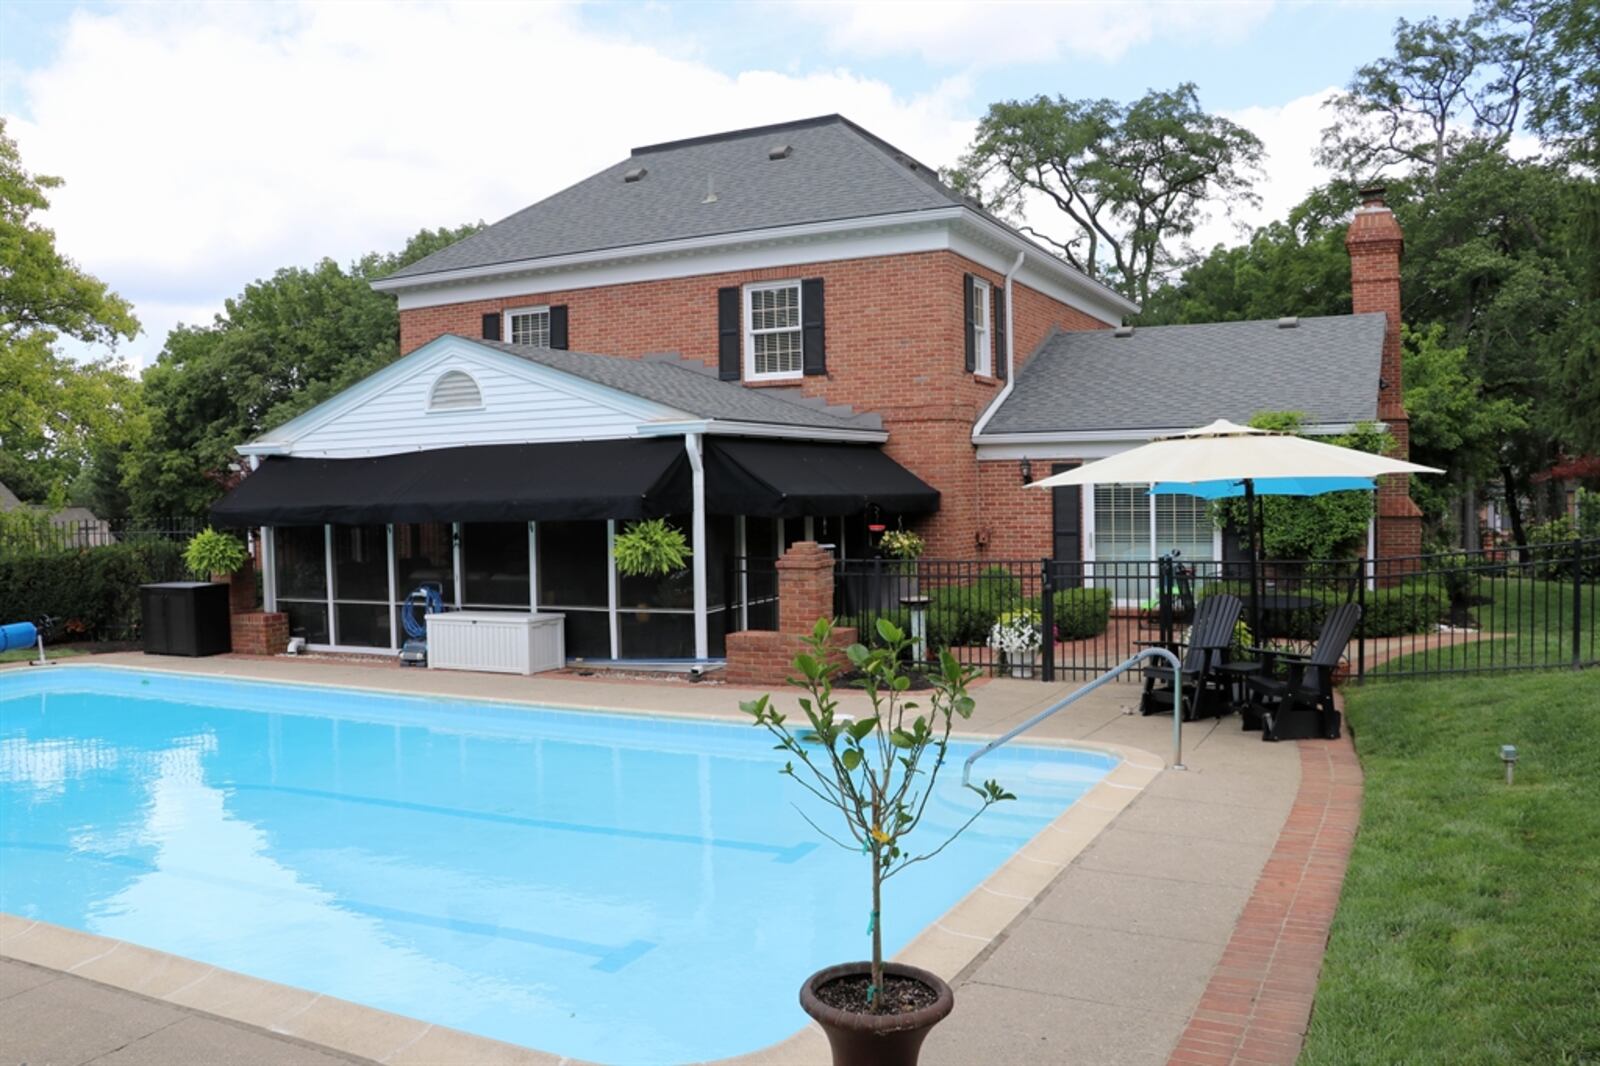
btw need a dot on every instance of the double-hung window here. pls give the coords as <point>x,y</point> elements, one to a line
<point>981,333</point>
<point>529,325</point>
<point>773,346</point>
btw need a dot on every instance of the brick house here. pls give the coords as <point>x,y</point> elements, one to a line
<point>835,341</point>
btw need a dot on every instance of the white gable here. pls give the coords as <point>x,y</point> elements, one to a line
<point>397,409</point>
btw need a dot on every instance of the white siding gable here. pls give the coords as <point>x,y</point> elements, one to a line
<point>522,403</point>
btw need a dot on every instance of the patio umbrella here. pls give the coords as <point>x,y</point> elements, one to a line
<point>1226,459</point>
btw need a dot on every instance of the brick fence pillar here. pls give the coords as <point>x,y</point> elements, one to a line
<point>260,632</point>
<point>805,594</point>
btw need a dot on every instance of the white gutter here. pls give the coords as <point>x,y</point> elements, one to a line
<point>1010,355</point>
<point>1317,429</point>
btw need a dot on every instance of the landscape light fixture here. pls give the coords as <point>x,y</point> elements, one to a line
<point>1508,755</point>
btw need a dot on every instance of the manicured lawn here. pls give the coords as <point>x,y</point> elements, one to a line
<point>17,655</point>
<point>1469,927</point>
<point>1535,618</point>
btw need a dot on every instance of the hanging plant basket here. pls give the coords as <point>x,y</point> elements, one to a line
<point>651,548</point>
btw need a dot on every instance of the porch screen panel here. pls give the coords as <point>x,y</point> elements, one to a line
<point>494,564</point>
<point>422,556</point>
<point>656,612</point>
<point>301,573</point>
<point>1122,541</point>
<point>573,581</point>
<point>361,586</point>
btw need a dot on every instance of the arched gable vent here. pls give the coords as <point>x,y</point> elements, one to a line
<point>455,391</point>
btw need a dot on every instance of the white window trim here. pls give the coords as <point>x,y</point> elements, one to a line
<point>750,332</point>
<point>510,313</point>
<point>982,336</point>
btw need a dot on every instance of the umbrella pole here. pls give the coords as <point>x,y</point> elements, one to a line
<point>1250,507</point>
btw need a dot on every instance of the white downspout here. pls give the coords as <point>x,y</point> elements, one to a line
<point>1010,354</point>
<point>702,640</point>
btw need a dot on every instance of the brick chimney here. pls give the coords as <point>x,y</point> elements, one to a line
<point>1375,243</point>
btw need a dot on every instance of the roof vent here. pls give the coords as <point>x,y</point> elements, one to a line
<point>711,190</point>
<point>1122,331</point>
<point>1288,322</point>
<point>633,175</point>
<point>780,151</point>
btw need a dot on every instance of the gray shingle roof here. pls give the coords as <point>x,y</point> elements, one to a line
<point>1165,377</point>
<point>695,391</point>
<point>836,171</point>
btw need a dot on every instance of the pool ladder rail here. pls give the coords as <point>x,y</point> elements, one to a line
<point>1077,694</point>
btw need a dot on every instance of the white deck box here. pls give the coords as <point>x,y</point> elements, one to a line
<point>503,642</point>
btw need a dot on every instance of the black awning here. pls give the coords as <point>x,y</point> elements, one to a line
<point>786,479</point>
<point>488,483</point>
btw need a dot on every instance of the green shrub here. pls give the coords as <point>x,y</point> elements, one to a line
<point>1082,613</point>
<point>92,592</point>
<point>210,553</point>
<point>1395,612</point>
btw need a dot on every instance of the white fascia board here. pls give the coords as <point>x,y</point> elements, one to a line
<point>856,238</point>
<point>438,350</point>
<point>722,428</point>
<point>1073,445</point>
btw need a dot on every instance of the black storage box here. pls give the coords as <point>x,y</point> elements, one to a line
<point>186,618</point>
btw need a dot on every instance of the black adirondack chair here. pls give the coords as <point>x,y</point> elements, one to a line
<point>1299,705</point>
<point>1205,690</point>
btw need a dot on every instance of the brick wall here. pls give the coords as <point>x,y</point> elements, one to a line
<point>805,594</point>
<point>1375,244</point>
<point>895,337</point>
<point>260,633</point>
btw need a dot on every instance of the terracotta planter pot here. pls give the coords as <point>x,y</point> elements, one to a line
<point>876,1039</point>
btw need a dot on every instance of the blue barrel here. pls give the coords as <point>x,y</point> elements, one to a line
<point>18,635</point>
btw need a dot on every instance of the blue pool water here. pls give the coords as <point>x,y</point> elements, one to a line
<point>616,888</point>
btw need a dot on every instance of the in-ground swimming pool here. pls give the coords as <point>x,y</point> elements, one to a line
<point>616,888</point>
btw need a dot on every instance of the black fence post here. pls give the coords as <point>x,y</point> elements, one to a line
<point>1164,578</point>
<point>1047,622</point>
<point>1577,604</point>
<point>1361,619</point>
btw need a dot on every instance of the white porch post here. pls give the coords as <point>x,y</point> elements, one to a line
<point>702,640</point>
<point>455,562</point>
<point>533,566</point>
<point>269,570</point>
<point>327,562</point>
<point>741,553</point>
<point>394,629</point>
<point>611,589</point>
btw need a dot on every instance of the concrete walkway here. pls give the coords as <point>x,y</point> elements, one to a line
<point>1106,966</point>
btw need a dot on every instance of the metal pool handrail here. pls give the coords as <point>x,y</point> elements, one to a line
<point>1077,694</point>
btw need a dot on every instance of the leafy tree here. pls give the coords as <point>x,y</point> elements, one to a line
<point>279,348</point>
<point>1129,179</point>
<point>51,408</point>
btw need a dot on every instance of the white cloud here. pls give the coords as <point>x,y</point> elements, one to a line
<point>974,36</point>
<point>204,146</point>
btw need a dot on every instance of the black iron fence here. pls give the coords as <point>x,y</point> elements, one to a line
<point>1422,616</point>
<point>38,535</point>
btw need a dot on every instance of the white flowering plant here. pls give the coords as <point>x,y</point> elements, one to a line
<point>1017,633</point>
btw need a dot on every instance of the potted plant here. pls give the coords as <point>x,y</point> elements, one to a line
<point>1018,634</point>
<point>895,579</point>
<point>652,548</point>
<point>870,771</point>
<point>221,557</point>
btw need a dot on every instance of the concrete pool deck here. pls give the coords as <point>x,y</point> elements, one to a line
<point>1099,951</point>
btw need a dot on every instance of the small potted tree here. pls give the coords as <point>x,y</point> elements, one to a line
<point>1019,635</point>
<point>221,557</point>
<point>871,772</point>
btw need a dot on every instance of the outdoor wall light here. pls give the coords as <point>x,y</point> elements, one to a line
<point>1027,470</point>
<point>1508,755</point>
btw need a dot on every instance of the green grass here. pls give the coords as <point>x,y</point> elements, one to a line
<point>1534,615</point>
<point>17,655</point>
<point>1469,927</point>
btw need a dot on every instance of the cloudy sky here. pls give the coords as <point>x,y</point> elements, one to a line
<point>204,146</point>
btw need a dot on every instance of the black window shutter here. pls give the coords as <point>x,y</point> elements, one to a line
<point>1000,334</point>
<point>972,341</point>
<point>728,333</point>
<point>558,327</point>
<point>813,335</point>
<point>491,326</point>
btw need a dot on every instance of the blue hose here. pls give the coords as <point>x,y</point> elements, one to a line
<point>18,635</point>
<point>431,602</point>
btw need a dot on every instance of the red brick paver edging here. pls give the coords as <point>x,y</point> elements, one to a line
<point>1257,1005</point>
